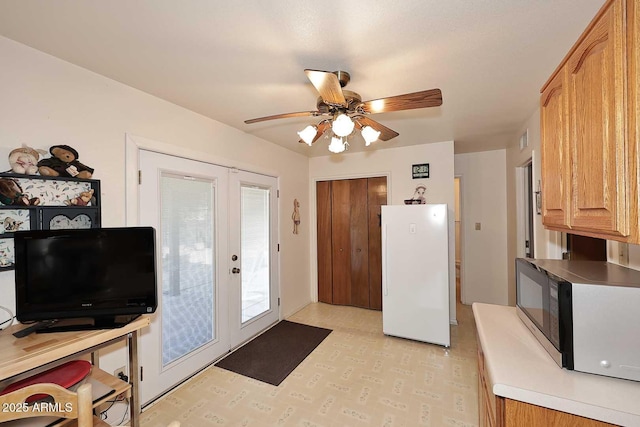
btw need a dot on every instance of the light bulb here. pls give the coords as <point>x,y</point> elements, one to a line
<point>369,134</point>
<point>336,146</point>
<point>342,125</point>
<point>307,134</point>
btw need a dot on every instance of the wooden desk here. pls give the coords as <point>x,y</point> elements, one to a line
<point>23,357</point>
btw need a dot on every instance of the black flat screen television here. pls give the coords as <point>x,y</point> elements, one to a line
<point>84,279</point>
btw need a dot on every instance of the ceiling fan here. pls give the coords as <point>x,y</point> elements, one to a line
<point>346,110</point>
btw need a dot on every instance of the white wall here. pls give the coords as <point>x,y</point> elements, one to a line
<point>396,164</point>
<point>484,201</point>
<point>546,243</point>
<point>46,101</point>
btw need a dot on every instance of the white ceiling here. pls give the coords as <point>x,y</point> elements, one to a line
<point>236,60</point>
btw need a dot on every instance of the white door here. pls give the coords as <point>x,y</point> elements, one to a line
<point>253,250</point>
<point>203,215</point>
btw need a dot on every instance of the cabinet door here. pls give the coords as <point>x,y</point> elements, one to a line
<point>341,241</point>
<point>597,85</point>
<point>359,236</point>
<point>325,272</point>
<point>377,189</point>
<point>554,131</point>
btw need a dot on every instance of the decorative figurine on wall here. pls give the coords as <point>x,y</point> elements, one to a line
<point>295,216</point>
<point>418,196</point>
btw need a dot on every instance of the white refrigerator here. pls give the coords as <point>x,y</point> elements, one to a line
<point>415,272</point>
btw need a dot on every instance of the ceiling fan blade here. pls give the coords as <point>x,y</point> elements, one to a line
<point>284,116</point>
<point>385,133</point>
<point>322,128</point>
<point>328,85</point>
<point>409,101</point>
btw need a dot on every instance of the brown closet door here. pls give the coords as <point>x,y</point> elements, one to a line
<point>377,196</point>
<point>359,228</point>
<point>349,241</point>
<point>323,203</point>
<point>341,241</point>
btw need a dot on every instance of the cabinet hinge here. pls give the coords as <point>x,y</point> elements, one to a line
<point>139,177</point>
<point>278,194</point>
<point>278,302</point>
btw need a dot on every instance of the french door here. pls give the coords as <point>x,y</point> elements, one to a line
<point>217,264</point>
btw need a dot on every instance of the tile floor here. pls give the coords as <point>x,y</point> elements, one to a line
<point>356,377</point>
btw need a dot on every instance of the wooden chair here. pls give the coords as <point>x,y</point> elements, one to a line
<point>66,403</point>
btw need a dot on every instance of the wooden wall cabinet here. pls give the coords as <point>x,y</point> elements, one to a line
<point>349,241</point>
<point>589,139</point>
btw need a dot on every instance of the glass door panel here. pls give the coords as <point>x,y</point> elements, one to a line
<point>188,279</point>
<point>186,202</point>
<point>253,231</point>
<point>255,254</point>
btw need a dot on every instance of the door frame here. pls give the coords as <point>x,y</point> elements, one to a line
<point>313,220</point>
<point>134,144</point>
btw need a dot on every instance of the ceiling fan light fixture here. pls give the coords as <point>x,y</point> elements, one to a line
<point>369,134</point>
<point>337,145</point>
<point>307,134</point>
<point>342,125</point>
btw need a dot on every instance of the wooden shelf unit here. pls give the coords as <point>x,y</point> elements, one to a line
<point>23,357</point>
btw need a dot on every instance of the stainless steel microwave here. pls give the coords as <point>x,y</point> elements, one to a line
<point>586,314</point>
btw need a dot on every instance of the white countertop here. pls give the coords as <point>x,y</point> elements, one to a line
<point>520,369</point>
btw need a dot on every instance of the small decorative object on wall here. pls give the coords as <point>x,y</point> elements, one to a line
<point>295,216</point>
<point>539,200</point>
<point>418,196</point>
<point>420,171</point>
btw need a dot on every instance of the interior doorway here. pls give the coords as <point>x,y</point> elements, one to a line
<point>528,211</point>
<point>458,239</point>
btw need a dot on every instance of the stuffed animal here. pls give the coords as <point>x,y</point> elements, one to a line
<point>11,194</point>
<point>84,199</point>
<point>24,160</point>
<point>64,162</point>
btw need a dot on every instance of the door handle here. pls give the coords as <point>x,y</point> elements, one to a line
<point>235,270</point>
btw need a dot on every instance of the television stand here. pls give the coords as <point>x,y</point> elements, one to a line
<point>23,357</point>
<point>77,324</point>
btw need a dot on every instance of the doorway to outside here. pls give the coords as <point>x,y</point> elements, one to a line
<point>216,245</point>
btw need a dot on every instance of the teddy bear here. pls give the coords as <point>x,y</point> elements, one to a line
<point>11,194</point>
<point>64,162</point>
<point>24,160</point>
<point>84,199</point>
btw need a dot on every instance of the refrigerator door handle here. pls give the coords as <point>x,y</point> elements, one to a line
<point>384,259</point>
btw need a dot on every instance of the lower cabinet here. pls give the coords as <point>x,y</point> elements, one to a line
<point>497,411</point>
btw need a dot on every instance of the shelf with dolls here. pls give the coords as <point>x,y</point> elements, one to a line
<point>51,200</point>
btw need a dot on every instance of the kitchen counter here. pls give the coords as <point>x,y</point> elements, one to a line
<point>519,368</point>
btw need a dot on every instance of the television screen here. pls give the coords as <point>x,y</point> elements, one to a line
<point>102,274</point>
